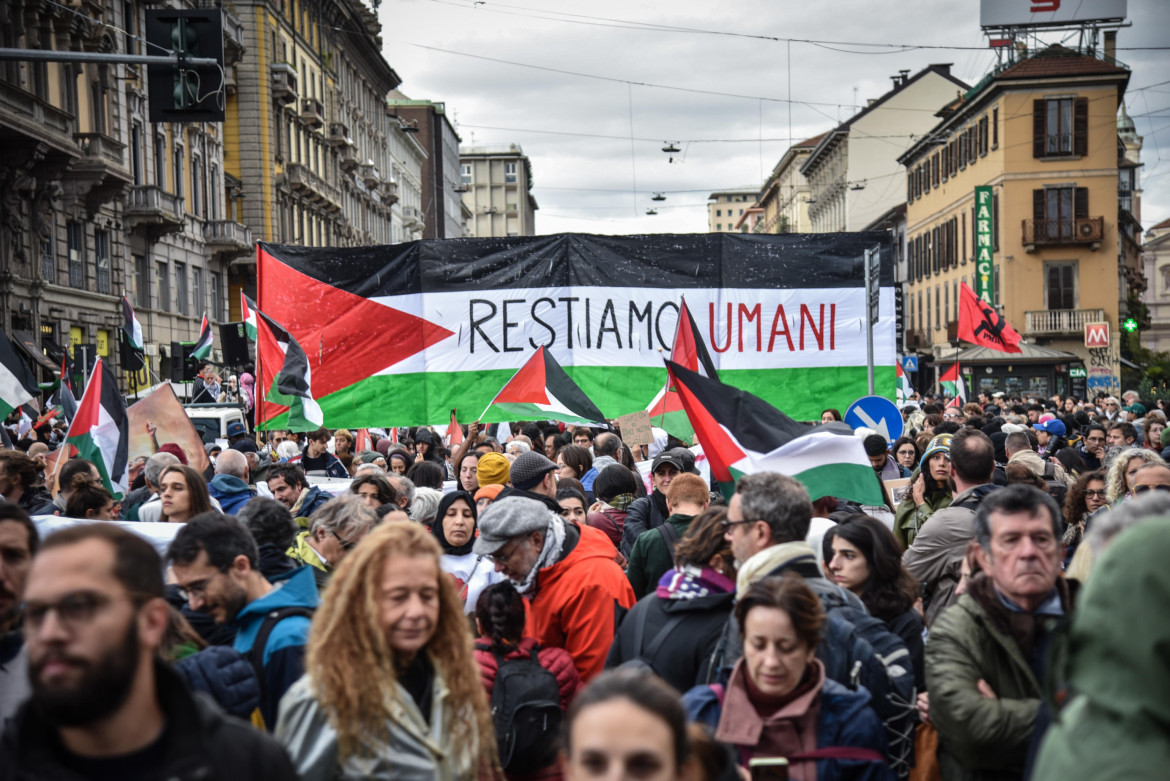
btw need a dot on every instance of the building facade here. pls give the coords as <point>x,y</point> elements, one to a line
<point>853,174</point>
<point>1042,132</point>
<point>98,201</point>
<point>726,207</point>
<point>1156,262</point>
<point>499,191</point>
<point>786,193</point>
<point>307,133</point>
<point>441,178</point>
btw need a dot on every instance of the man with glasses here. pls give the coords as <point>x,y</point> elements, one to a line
<point>1093,446</point>
<point>335,528</point>
<point>216,562</point>
<point>103,704</point>
<point>567,572</point>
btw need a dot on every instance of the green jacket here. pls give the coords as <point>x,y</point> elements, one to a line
<point>650,559</point>
<point>1114,725</point>
<point>909,517</point>
<point>302,553</point>
<point>980,739</point>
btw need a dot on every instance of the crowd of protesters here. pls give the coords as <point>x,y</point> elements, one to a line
<point>537,607</point>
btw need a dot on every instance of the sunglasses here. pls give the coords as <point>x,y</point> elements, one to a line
<point>1141,489</point>
<point>728,524</point>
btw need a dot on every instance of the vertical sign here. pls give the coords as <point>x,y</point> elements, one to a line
<point>872,296</point>
<point>984,268</point>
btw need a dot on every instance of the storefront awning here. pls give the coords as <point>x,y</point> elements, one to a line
<point>1029,353</point>
<point>26,344</point>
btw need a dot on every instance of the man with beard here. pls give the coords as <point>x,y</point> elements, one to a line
<point>102,704</point>
<point>216,561</point>
<point>18,544</point>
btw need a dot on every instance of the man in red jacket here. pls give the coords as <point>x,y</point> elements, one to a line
<point>567,573</point>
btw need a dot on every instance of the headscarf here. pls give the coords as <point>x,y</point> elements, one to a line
<point>441,513</point>
<point>383,447</point>
<point>247,383</point>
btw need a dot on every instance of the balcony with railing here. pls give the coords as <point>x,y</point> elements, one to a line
<point>227,237</point>
<point>349,158</point>
<point>339,134</point>
<point>312,113</point>
<point>1063,232</point>
<point>1060,322</point>
<point>303,180</point>
<point>153,211</point>
<point>284,82</point>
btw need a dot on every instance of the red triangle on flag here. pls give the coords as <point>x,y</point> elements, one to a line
<point>527,386</point>
<point>454,432</point>
<point>951,374</point>
<point>720,448</point>
<point>347,337</point>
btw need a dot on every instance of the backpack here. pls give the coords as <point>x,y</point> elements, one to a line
<point>856,650</point>
<point>526,712</point>
<point>1057,488</point>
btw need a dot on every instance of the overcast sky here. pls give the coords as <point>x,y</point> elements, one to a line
<point>731,113</point>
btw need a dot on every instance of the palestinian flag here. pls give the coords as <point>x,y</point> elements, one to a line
<point>952,382</point>
<point>399,335</point>
<point>17,383</point>
<point>134,356</point>
<point>291,383</point>
<point>100,431</point>
<point>202,348</point>
<point>904,389</point>
<point>542,391</point>
<point>742,434</point>
<point>248,312</point>
<point>666,410</point>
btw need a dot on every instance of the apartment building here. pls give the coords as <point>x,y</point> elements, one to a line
<point>785,198</point>
<point>1042,132</point>
<point>442,185</point>
<point>1156,264</point>
<point>726,207</point>
<point>853,174</point>
<point>499,191</point>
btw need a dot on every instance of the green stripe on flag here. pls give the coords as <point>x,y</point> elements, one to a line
<point>399,399</point>
<point>853,481</point>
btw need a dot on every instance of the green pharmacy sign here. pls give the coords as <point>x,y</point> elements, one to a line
<point>984,246</point>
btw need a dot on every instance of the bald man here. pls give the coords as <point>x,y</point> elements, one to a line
<point>230,484</point>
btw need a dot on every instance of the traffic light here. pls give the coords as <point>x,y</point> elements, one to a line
<point>1130,324</point>
<point>181,92</point>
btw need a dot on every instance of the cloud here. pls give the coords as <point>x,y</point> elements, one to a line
<point>587,184</point>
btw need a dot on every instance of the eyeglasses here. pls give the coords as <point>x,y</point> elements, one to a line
<point>1099,494</point>
<point>346,545</point>
<point>73,610</point>
<point>1141,489</point>
<point>726,524</point>
<point>499,557</point>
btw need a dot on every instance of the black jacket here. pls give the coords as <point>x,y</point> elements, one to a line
<point>643,514</point>
<point>682,658</point>
<point>37,501</point>
<point>201,743</point>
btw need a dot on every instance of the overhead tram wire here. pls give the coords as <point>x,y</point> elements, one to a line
<point>602,21</point>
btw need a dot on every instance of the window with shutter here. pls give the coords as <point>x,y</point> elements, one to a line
<point>972,146</point>
<point>934,167</point>
<point>934,243</point>
<point>995,223</point>
<point>1060,282</point>
<point>984,141</point>
<point>1081,126</point>
<point>961,144</point>
<point>963,239</point>
<point>1060,127</point>
<point>926,254</point>
<point>926,176</point>
<point>909,186</point>
<point>995,128</point>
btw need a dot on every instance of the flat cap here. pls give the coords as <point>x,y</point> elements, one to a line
<point>508,518</point>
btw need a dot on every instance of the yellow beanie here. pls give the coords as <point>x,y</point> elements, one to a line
<point>493,469</point>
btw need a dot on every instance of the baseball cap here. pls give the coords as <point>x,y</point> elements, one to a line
<point>1054,427</point>
<point>236,429</point>
<point>672,457</point>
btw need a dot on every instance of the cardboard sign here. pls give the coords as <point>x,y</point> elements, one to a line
<point>896,490</point>
<point>635,428</point>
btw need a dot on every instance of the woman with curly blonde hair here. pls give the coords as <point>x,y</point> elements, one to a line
<point>391,686</point>
<point>1119,481</point>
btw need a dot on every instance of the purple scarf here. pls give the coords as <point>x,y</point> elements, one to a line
<point>692,582</point>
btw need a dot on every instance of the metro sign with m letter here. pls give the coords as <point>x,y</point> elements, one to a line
<point>1096,335</point>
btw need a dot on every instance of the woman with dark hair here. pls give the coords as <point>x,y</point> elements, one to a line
<point>183,494</point>
<point>864,558</point>
<point>426,474</point>
<point>89,500</point>
<point>614,489</point>
<point>468,477</point>
<point>573,504</point>
<point>930,490</point>
<point>1087,496</point>
<point>905,452</point>
<point>499,624</point>
<point>454,528</point>
<point>627,724</point>
<point>674,630</point>
<point>398,460</point>
<point>573,461</point>
<point>831,416</point>
<point>1070,459</point>
<point>778,702</point>
<point>374,489</point>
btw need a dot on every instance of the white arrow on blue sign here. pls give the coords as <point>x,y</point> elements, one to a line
<point>877,413</point>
